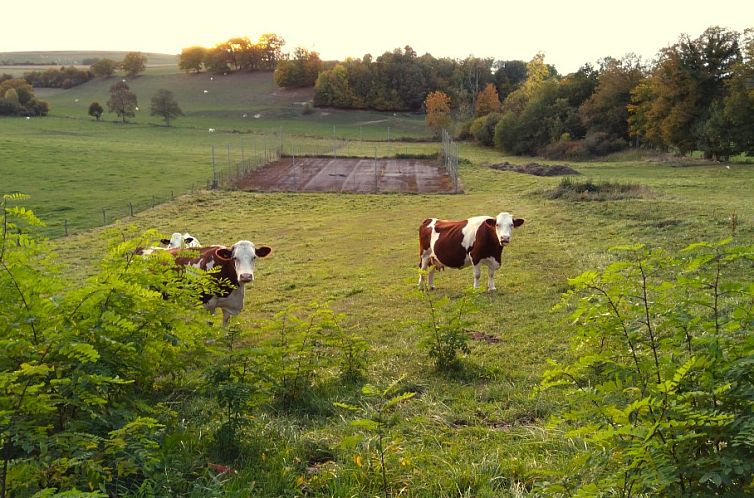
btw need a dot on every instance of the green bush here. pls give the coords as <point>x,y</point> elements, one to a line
<point>661,389</point>
<point>80,365</point>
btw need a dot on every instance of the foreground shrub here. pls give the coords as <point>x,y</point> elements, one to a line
<point>661,392</point>
<point>80,365</point>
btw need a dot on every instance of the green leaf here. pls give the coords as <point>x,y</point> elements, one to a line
<point>397,399</point>
<point>365,423</point>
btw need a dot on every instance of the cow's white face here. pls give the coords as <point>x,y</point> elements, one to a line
<point>175,242</point>
<point>504,225</point>
<point>244,255</point>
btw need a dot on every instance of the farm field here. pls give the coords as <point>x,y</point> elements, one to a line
<point>358,175</point>
<point>481,430</point>
<point>91,166</point>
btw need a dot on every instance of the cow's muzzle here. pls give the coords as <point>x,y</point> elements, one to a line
<point>505,241</point>
<point>245,278</point>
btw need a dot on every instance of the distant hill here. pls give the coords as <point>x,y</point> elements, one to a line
<point>77,57</point>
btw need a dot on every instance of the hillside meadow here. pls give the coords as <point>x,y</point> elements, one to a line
<point>89,166</point>
<point>478,430</point>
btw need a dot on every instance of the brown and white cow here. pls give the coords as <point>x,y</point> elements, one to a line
<point>236,269</point>
<point>475,241</point>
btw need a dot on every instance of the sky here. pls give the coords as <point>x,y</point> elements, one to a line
<point>569,33</point>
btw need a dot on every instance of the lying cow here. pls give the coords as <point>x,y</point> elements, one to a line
<point>176,241</point>
<point>179,239</point>
<point>475,241</point>
<point>236,269</point>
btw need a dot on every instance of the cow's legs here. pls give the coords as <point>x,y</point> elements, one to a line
<point>492,266</point>
<point>424,264</point>
<point>226,318</point>
<point>491,278</point>
<point>477,274</point>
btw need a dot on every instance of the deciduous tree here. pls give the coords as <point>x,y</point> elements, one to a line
<point>122,101</point>
<point>438,115</point>
<point>300,71</point>
<point>95,110</point>
<point>487,101</point>
<point>164,105</point>
<point>606,110</point>
<point>134,63</point>
<point>192,59</point>
<point>104,68</point>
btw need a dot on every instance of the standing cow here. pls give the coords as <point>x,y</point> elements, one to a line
<point>233,269</point>
<point>458,243</point>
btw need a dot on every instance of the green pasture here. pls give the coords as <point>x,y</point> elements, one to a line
<point>74,166</point>
<point>478,431</point>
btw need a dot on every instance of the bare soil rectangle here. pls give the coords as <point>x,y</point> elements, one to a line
<point>360,175</point>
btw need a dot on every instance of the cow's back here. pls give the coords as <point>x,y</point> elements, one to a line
<point>448,247</point>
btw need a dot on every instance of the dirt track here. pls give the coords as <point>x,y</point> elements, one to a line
<point>326,174</point>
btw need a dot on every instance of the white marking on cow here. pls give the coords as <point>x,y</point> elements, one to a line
<point>211,130</point>
<point>470,230</point>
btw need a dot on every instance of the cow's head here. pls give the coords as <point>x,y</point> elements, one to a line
<point>244,255</point>
<point>504,225</point>
<point>174,242</point>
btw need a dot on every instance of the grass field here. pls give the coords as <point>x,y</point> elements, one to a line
<point>479,431</point>
<point>89,166</point>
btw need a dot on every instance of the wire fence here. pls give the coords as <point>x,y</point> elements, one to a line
<point>232,163</point>
<point>450,158</point>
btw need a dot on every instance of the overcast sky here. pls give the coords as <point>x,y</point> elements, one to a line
<point>569,33</point>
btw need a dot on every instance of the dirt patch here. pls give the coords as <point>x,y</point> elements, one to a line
<point>360,175</point>
<point>537,169</point>
<point>481,336</point>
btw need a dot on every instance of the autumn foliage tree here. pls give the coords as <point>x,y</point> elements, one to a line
<point>487,101</point>
<point>437,105</point>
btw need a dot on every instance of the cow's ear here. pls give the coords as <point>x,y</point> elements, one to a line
<point>263,251</point>
<point>491,222</point>
<point>224,253</point>
<point>517,222</point>
<point>165,241</point>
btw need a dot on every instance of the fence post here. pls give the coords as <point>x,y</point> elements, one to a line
<point>153,201</point>
<point>104,218</point>
<point>131,208</point>
<point>65,226</point>
<point>214,173</point>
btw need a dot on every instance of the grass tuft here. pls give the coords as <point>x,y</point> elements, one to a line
<point>587,190</point>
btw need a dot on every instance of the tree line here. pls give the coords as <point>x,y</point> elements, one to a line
<point>17,98</point>
<point>400,80</point>
<point>697,95</point>
<point>235,54</point>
